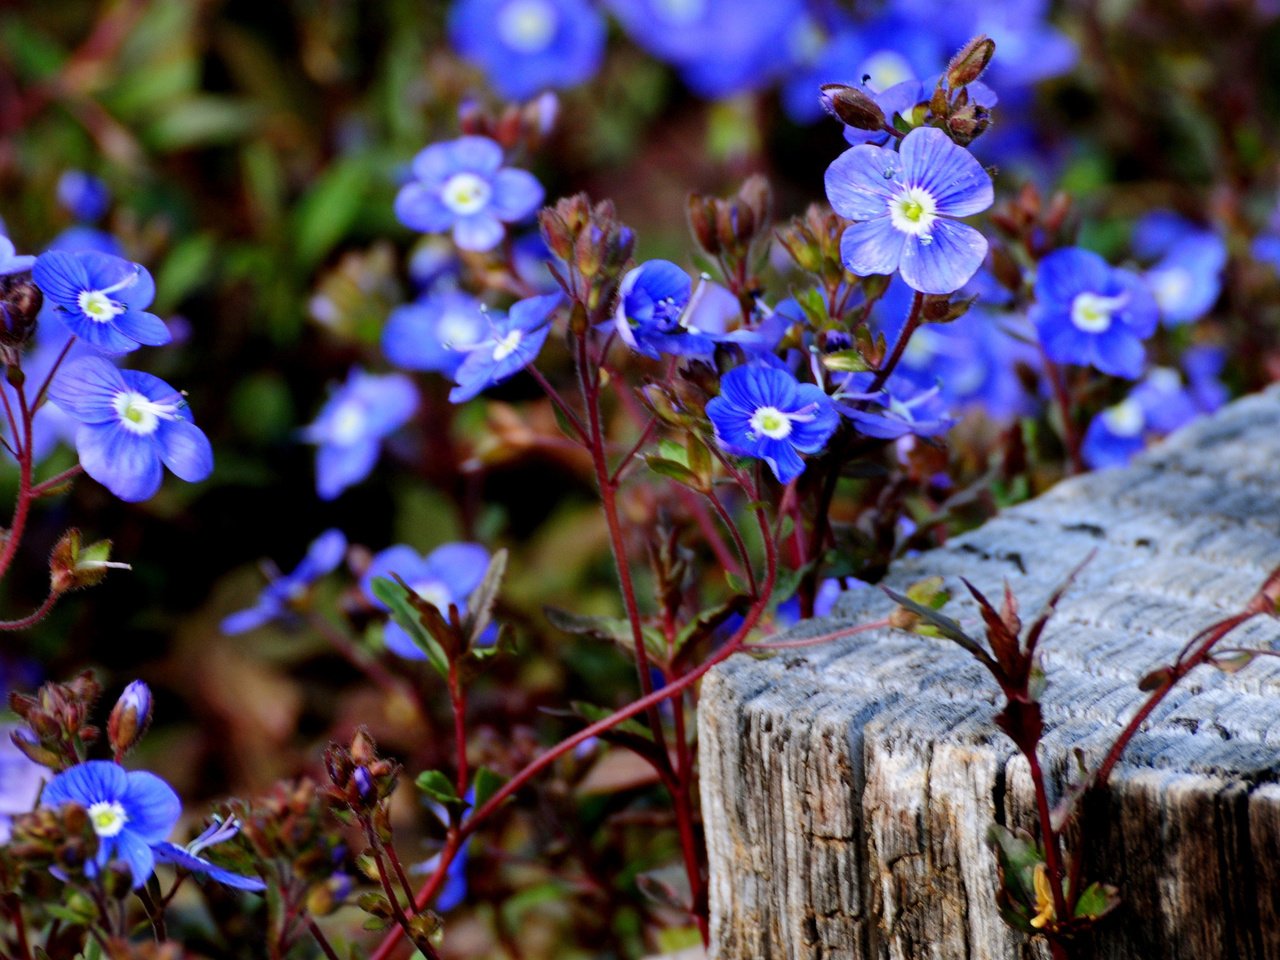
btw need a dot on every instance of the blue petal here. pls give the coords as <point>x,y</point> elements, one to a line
<point>185,450</point>
<point>340,467</point>
<point>151,805</point>
<point>516,194</point>
<point>94,781</point>
<point>459,566</point>
<point>171,853</point>
<point>479,232</point>
<point>782,459</point>
<point>125,463</point>
<point>947,262</point>
<point>947,172</point>
<point>105,337</point>
<point>87,388</point>
<point>857,187</point>
<point>398,642</point>
<point>61,277</point>
<point>531,312</point>
<point>145,328</point>
<point>873,247</point>
<point>250,619</point>
<point>134,851</point>
<point>401,560</point>
<point>1065,273</point>
<point>419,207</point>
<point>1119,353</point>
<point>323,556</point>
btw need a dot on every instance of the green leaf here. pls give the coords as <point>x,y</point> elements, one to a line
<point>1097,900</point>
<point>704,624</point>
<point>329,209</point>
<point>438,787</point>
<point>485,785</point>
<point>674,470</point>
<point>1018,856</point>
<point>188,266</point>
<point>397,597</point>
<point>614,629</point>
<point>944,625</point>
<point>845,361</point>
<point>201,120</point>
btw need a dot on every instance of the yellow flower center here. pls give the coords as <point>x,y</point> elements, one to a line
<point>770,422</point>
<point>108,818</point>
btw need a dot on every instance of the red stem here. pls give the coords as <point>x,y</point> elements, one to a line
<point>1052,856</point>
<point>13,536</point>
<point>1070,435</point>
<point>31,619</point>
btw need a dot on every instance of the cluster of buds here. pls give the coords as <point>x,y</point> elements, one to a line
<point>734,230</point>
<point>74,565</point>
<point>20,302</point>
<point>528,124</point>
<point>595,247</point>
<point>58,718</point>
<point>129,718</point>
<point>960,114</point>
<point>1031,228</point>
<point>293,824</point>
<point>359,779</point>
<point>62,839</point>
<point>813,241</point>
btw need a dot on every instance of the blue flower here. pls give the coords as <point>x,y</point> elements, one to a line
<point>903,408</point>
<point>188,858</point>
<point>435,333</point>
<point>653,313</point>
<point>130,811</point>
<point>446,576</point>
<point>102,299</point>
<point>352,424</point>
<point>512,342</point>
<point>1156,407</point>
<point>526,46</point>
<point>1188,278</point>
<point>10,261</point>
<point>130,424</point>
<point>83,195</point>
<point>463,186</point>
<point>766,413</point>
<point>904,201</point>
<point>20,779</point>
<point>1089,313</point>
<point>284,591</point>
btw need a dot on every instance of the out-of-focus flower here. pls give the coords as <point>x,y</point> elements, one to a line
<point>511,343</point>
<point>20,781</point>
<point>1090,313</point>
<point>352,424</point>
<point>284,592</point>
<point>83,195</point>
<point>10,261</point>
<point>766,413</point>
<point>102,299</point>
<point>434,333</point>
<point>526,46</point>
<point>901,408</point>
<point>903,203</point>
<point>445,576</point>
<point>188,858</point>
<point>462,186</point>
<point>130,811</point>
<point>1187,278</point>
<point>131,424</point>
<point>1156,407</point>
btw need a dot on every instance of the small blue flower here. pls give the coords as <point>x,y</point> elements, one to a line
<point>526,46</point>
<point>188,858</point>
<point>102,299</point>
<point>435,333</point>
<point>511,343</point>
<point>1089,313</point>
<point>130,811</point>
<point>130,424</point>
<point>352,424</point>
<point>653,316</point>
<point>10,261</point>
<point>903,408</point>
<point>284,591</point>
<point>903,202</point>
<point>766,413</point>
<point>1187,280</point>
<point>83,195</point>
<point>20,779</point>
<point>462,186</point>
<point>1156,407</point>
<point>446,576</point>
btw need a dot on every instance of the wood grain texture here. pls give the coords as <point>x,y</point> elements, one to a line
<point>847,789</point>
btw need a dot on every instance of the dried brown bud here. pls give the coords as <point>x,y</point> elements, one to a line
<point>852,106</point>
<point>20,301</point>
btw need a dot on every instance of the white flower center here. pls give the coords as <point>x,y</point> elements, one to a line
<point>466,193</point>
<point>679,11</point>
<point>1092,312</point>
<point>913,211</point>
<point>139,415</point>
<point>887,68</point>
<point>459,330</point>
<point>348,424</point>
<point>507,345</point>
<point>1170,286</point>
<point>97,306</point>
<point>435,593</point>
<point>1165,380</point>
<point>108,818</point>
<point>527,26</point>
<point>770,422</point>
<point>1125,419</point>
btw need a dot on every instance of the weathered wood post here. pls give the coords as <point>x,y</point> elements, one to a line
<point>848,788</point>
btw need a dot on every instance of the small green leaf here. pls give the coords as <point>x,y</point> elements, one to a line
<point>485,785</point>
<point>845,361</point>
<point>480,604</point>
<point>1097,900</point>
<point>438,787</point>
<point>397,597</point>
<point>675,471</point>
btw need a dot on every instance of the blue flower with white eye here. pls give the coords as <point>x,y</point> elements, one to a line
<point>83,195</point>
<point>130,811</point>
<point>766,413</point>
<point>526,46</point>
<point>446,576</point>
<point>1187,280</point>
<point>435,333</point>
<point>284,592</point>
<point>352,424</point>
<point>101,299</point>
<point>1156,407</point>
<point>462,186</point>
<point>132,425</point>
<point>512,342</point>
<point>653,312</point>
<point>903,202</point>
<point>1090,313</point>
<point>188,858</point>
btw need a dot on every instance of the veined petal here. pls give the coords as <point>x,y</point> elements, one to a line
<point>94,781</point>
<point>87,388</point>
<point>516,194</point>
<point>176,855</point>
<point>947,172</point>
<point>185,450</point>
<point>873,247</point>
<point>857,185</point>
<point>145,328</point>
<point>151,805</point>
<point>61,276</point>
<point>782,459</point>
<point>478,232</point>
<point>125,463</point>
<point>949,259</point>
<point>103,337</point>
<point>1065,273</point>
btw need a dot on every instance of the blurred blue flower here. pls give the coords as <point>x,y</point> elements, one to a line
<point>1090,313</point>
<point>903,202</point>
<point>83,195</point>
<point>188,858</point>
<point>511,343</point>
<point>766,413</point>
<point>1156,407</point>
<point>900,408</point>
<point>10,261</point>
<point>1203,365</point>
<point>50,425</point>
<point>1187,278</point>
<point>788,612</point>
<point>20,779</point>
<point>352,424</point>
<point>526,46</point>
<point>284,591</point>
<point>130,424</point>
<point>652,316</point>
<point>81,237</point>
<point>462,186</point>
<point>101,299</point>
<point>130,811</point>
<point>435,333</point>
<point>446,576</point>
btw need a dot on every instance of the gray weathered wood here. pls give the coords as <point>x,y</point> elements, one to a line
<point>847,788</point>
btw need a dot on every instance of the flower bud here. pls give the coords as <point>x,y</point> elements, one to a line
<point>20,302</point>
<point>967,65</point>
<point>851,106</point>
<point>129,718</point>
<point>73,566</point>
